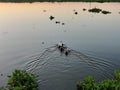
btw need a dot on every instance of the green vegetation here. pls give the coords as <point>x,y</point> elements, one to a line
<point>97,10</point>
<point>2,88</point>
<point>106,12</point>
<point>89,83</point>
<point>21,80</point>
<point>60,1</point>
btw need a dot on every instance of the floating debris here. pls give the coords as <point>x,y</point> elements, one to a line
<point>119,12</point>
<point>57,22</point>
<point>63,23</point>
<point>106,12</point>
<point>1,74</point>
<point>76,13</point>
<point>51,17</point>
<point>84,9</point>
<point>95,10</point>
<point>74,10</point>
<point>44,10</point>
<point>43,43</point>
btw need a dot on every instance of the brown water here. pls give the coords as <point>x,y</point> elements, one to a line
<point>28,38</point>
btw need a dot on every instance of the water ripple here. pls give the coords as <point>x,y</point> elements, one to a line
<point>51,65</point>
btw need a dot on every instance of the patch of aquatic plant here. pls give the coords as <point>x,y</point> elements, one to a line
<point>76,13</point>
<point>84,9</point>
<point>106,12</point>
<point>98,10</point>
<point>95,10</point>
<point>51,17</point>
<point>22,80</point>
<point>90,84</point>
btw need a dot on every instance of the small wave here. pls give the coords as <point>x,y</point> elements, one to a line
<point>51,64</point>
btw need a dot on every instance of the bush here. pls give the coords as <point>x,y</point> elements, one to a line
<point>117,74</point>
<point>89,83</point>
<point>22,80</point>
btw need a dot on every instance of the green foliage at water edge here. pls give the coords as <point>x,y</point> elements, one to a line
<point>59,1</point>
<point>89,83</point>
<point>22,80</point>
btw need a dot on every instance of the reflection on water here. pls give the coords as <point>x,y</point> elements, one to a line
<point>26,29</point>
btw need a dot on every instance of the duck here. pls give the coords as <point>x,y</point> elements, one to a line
<point>63,49</point>
<point>60,44</point>
<point>66,51</point>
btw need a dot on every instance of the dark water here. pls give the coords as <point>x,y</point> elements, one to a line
<point>59,72</point>
<point>28,38</point>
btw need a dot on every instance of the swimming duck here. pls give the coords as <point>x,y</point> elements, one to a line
<point>66,51</point>
<point>63,48</point>
<point>60,44</point>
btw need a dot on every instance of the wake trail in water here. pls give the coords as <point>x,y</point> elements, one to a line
<point>41,59</point>
<point>96,63</point>
<point>46,60</point>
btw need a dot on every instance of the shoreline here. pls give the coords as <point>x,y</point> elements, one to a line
<point>33,1</point>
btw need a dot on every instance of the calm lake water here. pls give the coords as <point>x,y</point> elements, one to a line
<point>28,38</point>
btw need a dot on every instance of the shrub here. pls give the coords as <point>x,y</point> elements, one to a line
<point>22,80</point>
<point>89,83</point>
<point>117,74</point>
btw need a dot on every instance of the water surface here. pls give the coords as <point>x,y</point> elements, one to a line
<point>28,38</point>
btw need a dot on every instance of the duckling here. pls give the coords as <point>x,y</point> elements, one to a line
<point>60,45</point>
<point>66,51</point>
<point>61,49</point>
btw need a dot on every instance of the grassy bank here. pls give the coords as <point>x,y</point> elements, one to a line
<point>89,84</point>
<point>59,1</point>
